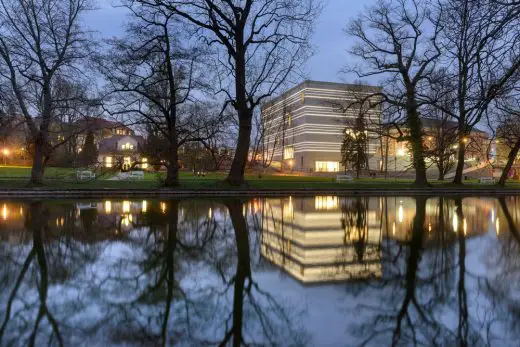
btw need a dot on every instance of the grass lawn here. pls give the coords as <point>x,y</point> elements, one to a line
<point>25,172</point>
<point>64,178</point>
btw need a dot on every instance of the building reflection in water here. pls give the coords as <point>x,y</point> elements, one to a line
<point>331,238</point>
<point>198,255</point>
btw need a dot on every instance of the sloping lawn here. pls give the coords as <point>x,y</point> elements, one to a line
<point>64,178</point>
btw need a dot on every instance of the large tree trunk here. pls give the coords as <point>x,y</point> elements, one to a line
<point>460,159</point>
<point>440,167</point>
<point>38,166</point>
<point>243,270</point>
<point>416,141</point>
<point>172,169</point>
<point>462,329</point>
<point>245,115</point>
<point>238,166</point>
<point>510,160</point>
<point>169,257</point>
<point>412,268</point>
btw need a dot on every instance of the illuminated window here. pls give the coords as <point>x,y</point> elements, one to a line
<point>126,206</point>
<point>288,152</point>
<point>108,206</point>
<point>127,161</point>
<point>127,145</point>
<point>401,149</point>
<point>288,209</point>
<point>326,202</point>
<point>289,120</point>
<point>327,166</point>
<point>108,162</point>
<point>144,163</point>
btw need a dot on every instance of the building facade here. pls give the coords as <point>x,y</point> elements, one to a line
<point>304,127</point>
<point>122,151</point>
<point>438,136</point>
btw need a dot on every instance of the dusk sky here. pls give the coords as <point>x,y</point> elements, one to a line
<point>330,41</point>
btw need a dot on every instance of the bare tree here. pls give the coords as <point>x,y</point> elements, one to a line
<point>260,45</point>
<point>154,75</point>
<point>480,49</point>
<point>354,146</point>
<point>40,40</point>
<point>508,130</point>
<point>441,140</point>
<point>398,40</point>
<point>269,136</point>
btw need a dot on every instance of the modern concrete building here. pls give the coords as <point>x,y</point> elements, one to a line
<point>305,126</point>
<point>318,239</point>
<point>309,239</point>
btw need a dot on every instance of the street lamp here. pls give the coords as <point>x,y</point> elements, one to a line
<point>5,154</point>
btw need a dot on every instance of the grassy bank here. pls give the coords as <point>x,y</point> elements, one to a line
<point>62,178</point>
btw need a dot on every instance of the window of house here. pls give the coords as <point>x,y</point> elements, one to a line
<point>327,166</point>
<point>108,162</point>
<point>144,163</point>
<point>289,120</point>
<point>288,152</point>
<point>127,146</point>
<point>127,162</point>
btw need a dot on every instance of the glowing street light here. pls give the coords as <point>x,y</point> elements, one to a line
<point>5,153</point>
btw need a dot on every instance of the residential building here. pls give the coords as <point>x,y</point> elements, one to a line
<point>122,151</point>
<point>304,127</point>
<point>100,127</point>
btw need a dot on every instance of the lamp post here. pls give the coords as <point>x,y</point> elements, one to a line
<point>5,154</point>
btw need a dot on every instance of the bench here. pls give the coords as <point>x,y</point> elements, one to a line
<point>344,178</point>
<point>486,180</point>
<point>137,175</point>
<point>85,175</point>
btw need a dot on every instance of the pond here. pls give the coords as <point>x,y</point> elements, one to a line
<point>316,271</point>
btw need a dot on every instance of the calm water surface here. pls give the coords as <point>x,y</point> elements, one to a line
<point>319,271</point>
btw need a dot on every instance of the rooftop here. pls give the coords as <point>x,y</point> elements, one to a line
<point>110,144</point>
<point>309,84</point>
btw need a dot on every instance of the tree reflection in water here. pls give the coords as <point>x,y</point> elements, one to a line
<point>176,273</point>
<point>414,302</point>
<point>411,271</point>
<point>49,260</point>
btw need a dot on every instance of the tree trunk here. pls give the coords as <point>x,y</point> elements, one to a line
<point>172,173</point>
<point>169,255</point>
<point>414,123</point>
<point>236,173</point>
<point>414,258</point>
<point>510,160</point>
<point>440,167</point>
<point>38,166</point>
<point>460,159</point>
<point>243,270</point>
<point>245,113</point>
